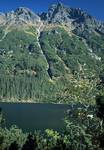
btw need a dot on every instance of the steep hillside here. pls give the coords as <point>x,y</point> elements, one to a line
<point>52,57</point>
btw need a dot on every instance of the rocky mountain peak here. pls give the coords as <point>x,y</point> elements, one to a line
<point>60,13</point>
<point>57,13</point>
<point>23,10</point>
<point>21,16</point>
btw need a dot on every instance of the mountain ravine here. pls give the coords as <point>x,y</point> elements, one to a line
<point>55,57</point>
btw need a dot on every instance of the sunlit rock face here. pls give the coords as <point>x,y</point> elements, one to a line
<point>20,16</point>
<point>79,19</point>
<point>2,18</point>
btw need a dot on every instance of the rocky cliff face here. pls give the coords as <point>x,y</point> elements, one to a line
<point>2,18</point>
<point>57,14</point>
<point>20,16</point>
<point>76,17</point>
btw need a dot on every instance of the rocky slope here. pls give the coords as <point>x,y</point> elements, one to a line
<point>45,57</point>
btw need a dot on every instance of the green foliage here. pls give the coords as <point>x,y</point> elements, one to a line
<point>71,49</point>
<point>83,131</point>
<point>83,128</point>
<point>54,67</point>
<point>1,33</point>
<point>9,136</point>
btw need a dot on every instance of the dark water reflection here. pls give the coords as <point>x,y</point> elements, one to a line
<point>32,117</point>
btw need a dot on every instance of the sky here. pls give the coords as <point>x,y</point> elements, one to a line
<point>93,7</point>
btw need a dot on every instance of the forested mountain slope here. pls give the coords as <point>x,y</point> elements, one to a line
<point>56,56</point>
